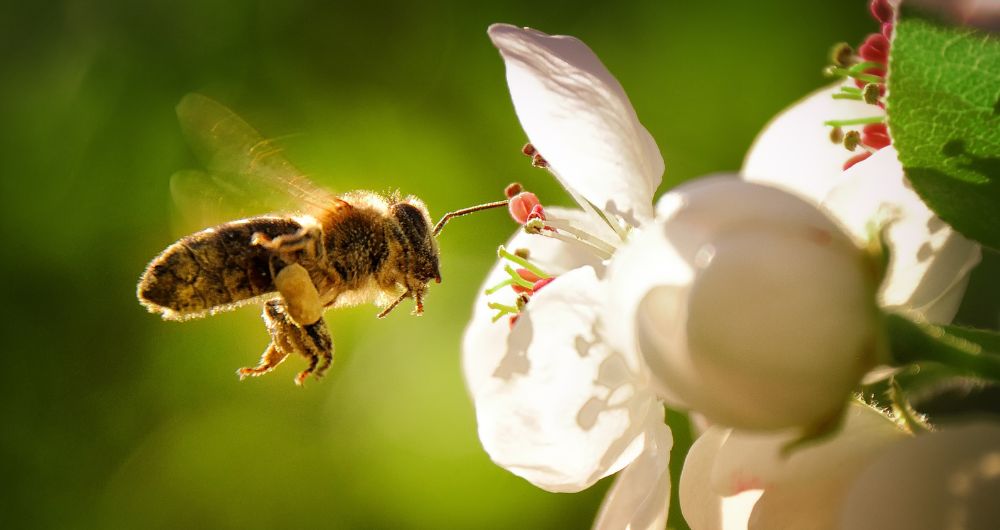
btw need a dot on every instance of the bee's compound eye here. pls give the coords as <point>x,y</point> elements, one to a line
<point>412,221</point>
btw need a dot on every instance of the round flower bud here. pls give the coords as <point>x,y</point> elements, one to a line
<point>748,304</point>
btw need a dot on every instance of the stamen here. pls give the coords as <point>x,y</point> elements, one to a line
<point>855,159</point>
<point>498,286</point>
<point>522,253</point>
<point>836,135</point>
<point>513,189</point>
<point>855,73</point>
<point>851,140</point>
<point>516,278</point>
<point>842,54</point>
<point>536,158</point>
<point>875,49</point>
<point>881,10</point>
<point>522,205</point>
<point>502,307</point>
<point>871,93</point>
<point>502,253</point>
<point>536,227</point>
<point>541,283</point>
<point>855,121</point>
<point>875,135</point>
<point>580,234</point>
<point>842,95</point>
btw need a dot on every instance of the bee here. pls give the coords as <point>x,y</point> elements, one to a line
<point>338,251</point>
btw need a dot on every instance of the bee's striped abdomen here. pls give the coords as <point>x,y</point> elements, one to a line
<point>212,270</point>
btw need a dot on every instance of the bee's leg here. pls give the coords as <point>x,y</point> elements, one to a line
<point>272,357</point>
<point>312,341</point>
<point>300,294</point>
<point>276,320</point>
<point>418,298</point>
<point>308,239</point>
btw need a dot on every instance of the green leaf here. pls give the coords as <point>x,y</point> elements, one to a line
<point>971,352</point>
<point>944,114</point>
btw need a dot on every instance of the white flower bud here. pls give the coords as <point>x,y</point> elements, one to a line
<point>748,304</point>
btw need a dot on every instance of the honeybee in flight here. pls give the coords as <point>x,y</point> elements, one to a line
<point>340,250</point>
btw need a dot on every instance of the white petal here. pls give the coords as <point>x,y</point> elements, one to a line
<point>704,508</point>
<point>748,304</point>
<point>641,494</point>
<point>563,410</point>
<point>948,479</point>
<point>578,117</point>
<point>752,461</point>
<point>794,151</point>
<point>484,344</point>
<point>931,262</point>
<point>729,472</point>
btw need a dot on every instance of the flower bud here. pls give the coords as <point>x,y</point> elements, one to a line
<point>748,304</point>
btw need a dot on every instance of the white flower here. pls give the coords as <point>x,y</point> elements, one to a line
<point>930,262</point>
<point>554,402</point>
<point>748,304</point>
<point>871,474</point>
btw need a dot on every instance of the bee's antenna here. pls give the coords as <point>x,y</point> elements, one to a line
<point>472,209</point>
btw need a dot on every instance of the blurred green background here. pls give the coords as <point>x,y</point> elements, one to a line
<point>115,419</point>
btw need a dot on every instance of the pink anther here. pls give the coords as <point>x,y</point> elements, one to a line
<point>522,205</point>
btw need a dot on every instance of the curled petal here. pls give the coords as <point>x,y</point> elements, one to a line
<point>752,460</point>
<point>731,476</point>
<point>794,151</point>
<point>578,117</point>
<point>563,409</point>
<point>930,261</point>
<point>747,303</point>
<point>485,345</point>
<point>945,479</point>
<point>641,494</point>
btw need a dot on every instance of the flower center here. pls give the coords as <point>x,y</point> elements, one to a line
<point>867,68</point>
<point>525,280</point>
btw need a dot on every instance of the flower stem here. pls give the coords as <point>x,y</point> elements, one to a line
<point>959,348</point>
<point>911,419</point>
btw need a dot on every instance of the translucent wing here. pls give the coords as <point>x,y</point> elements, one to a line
<point>202,199</point>
<point>246,173</point>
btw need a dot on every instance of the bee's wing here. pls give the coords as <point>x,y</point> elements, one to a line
<point>204,198</point>
<point>244,168</point>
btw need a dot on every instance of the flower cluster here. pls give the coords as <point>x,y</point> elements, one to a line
<point>754,300</point>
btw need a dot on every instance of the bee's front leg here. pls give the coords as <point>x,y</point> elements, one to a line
<point>312,341</point>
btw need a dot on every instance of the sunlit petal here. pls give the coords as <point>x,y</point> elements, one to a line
<point>930,260</point>
<point>794,151</point>
<point>578,117</point>
<point>641,494</point>
<point>948,479</point>
<point>563,409</point>
<point>484,344</point>
<point>747,303</point>
<point>752,460</point>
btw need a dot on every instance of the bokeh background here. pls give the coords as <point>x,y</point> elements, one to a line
<point>115,419</point>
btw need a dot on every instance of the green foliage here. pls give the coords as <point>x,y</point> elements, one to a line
<point>944,114</point>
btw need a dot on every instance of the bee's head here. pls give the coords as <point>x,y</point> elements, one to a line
<point>417,234</point>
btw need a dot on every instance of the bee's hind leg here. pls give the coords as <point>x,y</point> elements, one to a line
<point>312,341</point>
<point>315,344</point>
